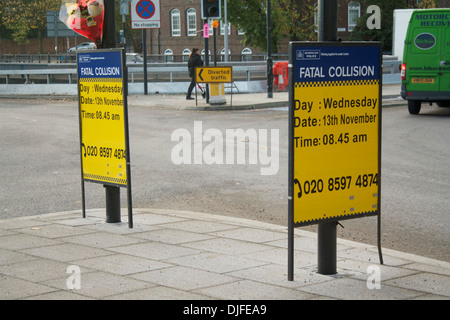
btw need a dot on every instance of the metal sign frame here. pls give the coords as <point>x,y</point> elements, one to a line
<point>334,133</point>
<point>103,120</point>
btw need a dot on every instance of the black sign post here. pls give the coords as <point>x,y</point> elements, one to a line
<point>326,231</point>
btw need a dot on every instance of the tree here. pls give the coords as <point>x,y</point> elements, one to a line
<point>290,20</point>
<point>24,16</point>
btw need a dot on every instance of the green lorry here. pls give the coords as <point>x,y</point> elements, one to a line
<point>425,69</point>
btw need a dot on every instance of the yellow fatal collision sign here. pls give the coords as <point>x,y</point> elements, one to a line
<point>102,118</point>
<point>335,111</point>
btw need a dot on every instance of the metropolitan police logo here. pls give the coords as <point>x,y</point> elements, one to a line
<point>82,58</point>
<point>307,54</point>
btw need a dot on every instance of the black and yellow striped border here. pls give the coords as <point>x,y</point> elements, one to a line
<point>343,83</point>
<point>95,177</point>
<point>119,80</point>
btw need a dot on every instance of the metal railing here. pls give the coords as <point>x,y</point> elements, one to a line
<point>156,72</point>
<point>151,58</point>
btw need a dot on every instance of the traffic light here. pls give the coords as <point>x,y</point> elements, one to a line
<point>211,9</point>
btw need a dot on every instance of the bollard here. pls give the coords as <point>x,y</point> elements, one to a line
<point>112,195</point>
<point>217,93</point>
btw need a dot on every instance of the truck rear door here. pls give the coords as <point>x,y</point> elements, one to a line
<point>424,60</point>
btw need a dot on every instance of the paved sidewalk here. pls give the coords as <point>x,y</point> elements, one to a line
<point>171,255</point>
<point>237,101</point>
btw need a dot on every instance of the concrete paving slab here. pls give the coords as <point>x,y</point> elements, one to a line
<point>101,240</point>
<point>11,257</point>
<point>251,235</point>
<point>184,278</point>
<point>172,236</point>
<point>35,270</point>
<point>53,231</point>
<point>216,262</point>
<point>155,250</point>
<point>198,226</point>
<point>427,282</point>
<point>252,290</point>
<point>158,293</point>
<point>353,289</point>
<point>276,274</point>
<point>100,284</point>
<point>13,288</point>
<point>25,241</point>
<point>66,252</point>
<point>227,246</point>
<point>121,264</point>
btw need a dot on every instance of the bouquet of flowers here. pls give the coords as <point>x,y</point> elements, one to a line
<point>84,17</point>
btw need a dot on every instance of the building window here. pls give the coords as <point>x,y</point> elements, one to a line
<point>209,54</point>
<point>246,54</point>
<point>175,22</point>
<point>168,55</point>
<point>222,54</point>
<point>191,22</point>
<point>186,53</point>
<point>211,29</point>
<point>354,12</point>
<point>222,28</point>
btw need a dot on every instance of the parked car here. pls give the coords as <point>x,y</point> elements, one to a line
<point>134,58</point>
<point>83,46</point>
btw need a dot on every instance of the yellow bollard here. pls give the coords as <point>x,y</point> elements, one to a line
<point>217,93</point>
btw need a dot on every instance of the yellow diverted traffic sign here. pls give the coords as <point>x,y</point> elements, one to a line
<point>214,74</point>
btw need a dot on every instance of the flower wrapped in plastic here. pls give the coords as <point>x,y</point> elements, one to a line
<point>84,17</point>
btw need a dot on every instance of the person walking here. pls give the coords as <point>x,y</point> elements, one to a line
<point>194,61</point>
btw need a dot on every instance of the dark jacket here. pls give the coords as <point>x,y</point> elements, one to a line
<point>194,61</point>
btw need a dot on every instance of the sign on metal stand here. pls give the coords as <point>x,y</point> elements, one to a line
<point>334,134</point>
<point>103,116</point>
<point>214,75</point>
<point>145,14</point>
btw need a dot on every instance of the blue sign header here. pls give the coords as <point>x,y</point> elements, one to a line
<point>336,63</point>
<point>100,64</point>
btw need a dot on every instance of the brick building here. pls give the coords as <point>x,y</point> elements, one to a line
<point>182,29</point>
